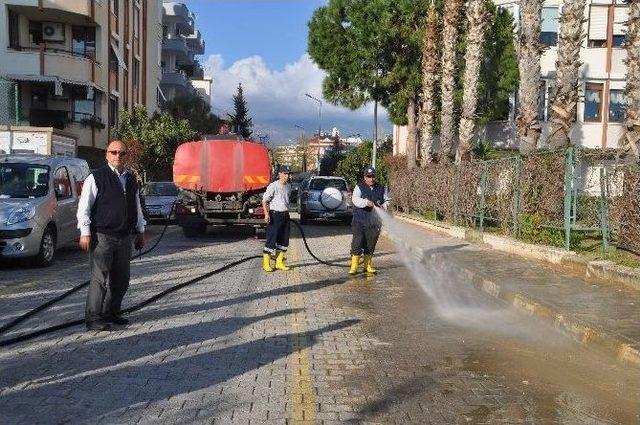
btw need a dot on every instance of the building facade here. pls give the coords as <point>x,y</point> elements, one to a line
<point>74,65</point>
<point>600,109</point>
<point>181,43</point>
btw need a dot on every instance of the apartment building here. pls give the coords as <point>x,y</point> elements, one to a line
<point>74,65</point>
<point>602,77</point>
<point>181,43</point>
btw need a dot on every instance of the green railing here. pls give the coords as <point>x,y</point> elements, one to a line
<point>579,199</point>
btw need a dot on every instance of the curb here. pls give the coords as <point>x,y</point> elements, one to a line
<point>591,270</point>
<point>618,346</point>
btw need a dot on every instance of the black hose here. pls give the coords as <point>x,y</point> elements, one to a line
<point>4,328</point>
<point>138,306</point>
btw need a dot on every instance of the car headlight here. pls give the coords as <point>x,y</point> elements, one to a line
<point>21,214</point>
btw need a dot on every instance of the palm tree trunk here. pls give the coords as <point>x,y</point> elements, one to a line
<point>530,50</point>
<point>429,79</point>
<point>631,132</point>
<point>452,10</point>
<point>411,130</point>
<point>565,102</point>
<point>477,16</point>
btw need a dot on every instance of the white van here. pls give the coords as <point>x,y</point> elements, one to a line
<point>38,204</point>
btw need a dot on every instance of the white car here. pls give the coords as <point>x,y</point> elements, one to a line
<point>38,204</point>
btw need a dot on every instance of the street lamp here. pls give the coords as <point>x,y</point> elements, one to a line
<point>319,127</point>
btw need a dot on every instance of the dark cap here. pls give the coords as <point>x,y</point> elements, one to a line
<point>370,171</point>
<point>284,169</point>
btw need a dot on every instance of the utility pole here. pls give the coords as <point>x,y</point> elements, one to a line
<point>319,126</point>
<point>304,148</point>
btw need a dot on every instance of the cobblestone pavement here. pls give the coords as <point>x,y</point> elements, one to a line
<point>308,346</point>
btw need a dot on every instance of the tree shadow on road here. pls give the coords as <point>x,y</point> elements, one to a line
<point>157,379</point>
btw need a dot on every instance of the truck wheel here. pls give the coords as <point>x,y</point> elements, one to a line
<point>260,233</point>
<point>47,252</point>
<point>194,230</point>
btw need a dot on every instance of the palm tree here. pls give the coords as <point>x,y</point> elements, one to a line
<point>450,31</point>
<point>478,19</point>
<point>530,50</point>
<point>411,130</point>
<point>565,101</point>
<point>429,79</point>
<point>631,135</point>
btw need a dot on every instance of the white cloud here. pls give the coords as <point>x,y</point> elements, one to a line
<point>276,98</point>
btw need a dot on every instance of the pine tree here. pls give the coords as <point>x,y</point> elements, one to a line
<point>239,121</point>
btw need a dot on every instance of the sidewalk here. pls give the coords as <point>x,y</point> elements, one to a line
<point>601,314</point>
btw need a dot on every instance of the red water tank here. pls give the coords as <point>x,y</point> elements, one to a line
<point>222,166</point>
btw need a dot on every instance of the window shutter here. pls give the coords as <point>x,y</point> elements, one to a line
<point>598,22</point>
<point>621,16</point>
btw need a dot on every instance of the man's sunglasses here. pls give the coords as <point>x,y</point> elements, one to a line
<point>119,153</point>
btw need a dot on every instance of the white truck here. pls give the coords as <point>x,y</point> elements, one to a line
<point>36,140</point>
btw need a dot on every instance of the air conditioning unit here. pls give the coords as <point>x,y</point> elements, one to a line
<point>53,31</point>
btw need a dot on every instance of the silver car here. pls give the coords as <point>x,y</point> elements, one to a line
<point>159,198</point>
<point>325,197</point>
<point>38,204</point>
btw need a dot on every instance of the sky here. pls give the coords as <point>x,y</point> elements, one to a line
<point>262,44</point>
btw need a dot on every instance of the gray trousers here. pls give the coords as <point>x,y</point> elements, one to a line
<point>110,260</point>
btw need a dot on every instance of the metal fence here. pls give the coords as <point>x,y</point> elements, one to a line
<point>574,198</point>
<point>9,107</point>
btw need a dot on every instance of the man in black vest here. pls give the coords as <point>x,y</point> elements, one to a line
<point>366,225</point>
<point>109,212</point>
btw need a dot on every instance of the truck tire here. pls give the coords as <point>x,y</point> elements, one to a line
<point>260,233</point>
<point>47,253</point>
<point>194,230</point>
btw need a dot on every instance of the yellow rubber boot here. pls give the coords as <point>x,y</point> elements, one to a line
<point>280,265</point>
<point>368,264</point>
<point>355,262</point>
<point>266,262</point>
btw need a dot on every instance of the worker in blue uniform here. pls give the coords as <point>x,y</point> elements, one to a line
<point>366,225</point>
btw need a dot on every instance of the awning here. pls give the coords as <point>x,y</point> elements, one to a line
<point>57,81</point>
<point>121,63</point>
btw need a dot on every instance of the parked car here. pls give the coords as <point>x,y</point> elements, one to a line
<point>159,198</point>
<point>38,204</point>
<point>325,197</point>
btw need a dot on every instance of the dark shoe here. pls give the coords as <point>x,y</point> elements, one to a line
<point>98,326</point>
<point>117,320</point>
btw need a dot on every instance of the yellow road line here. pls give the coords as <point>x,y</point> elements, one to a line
<point>301,389</point>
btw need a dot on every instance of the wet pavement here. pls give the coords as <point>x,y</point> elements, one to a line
<point>308,346</point>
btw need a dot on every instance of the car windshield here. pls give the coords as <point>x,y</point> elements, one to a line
<point>161,189</point>
<point>322,184</point>
<point>23,180</point>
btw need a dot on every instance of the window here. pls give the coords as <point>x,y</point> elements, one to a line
<point>113,111</point>
<point>83,40</point>
<point>322,184</point>
<point>83,108</point>
<point>39,95</point>
<point>14,30</point>
<point>136,74</point>
<point>127,30</point>
<point>62,183</point>
<point>598,25</point>
<point>22,181</point>
<point>620,18</point>
<point>593,102</point>
<point>35,32</point>
<point>549,34</point>
<point>136,22</point>
<point>617,102</point>
<point>113,70</point>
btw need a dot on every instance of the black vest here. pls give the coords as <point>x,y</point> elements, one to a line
<point>113,212</point>
<point>374,194</point>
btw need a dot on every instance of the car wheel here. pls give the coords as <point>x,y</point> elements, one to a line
<point>47,252</point>
<point>347,221</point>
<point>304,219</point>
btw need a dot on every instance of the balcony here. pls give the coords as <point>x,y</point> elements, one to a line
<point>196,43</point>
<point>179,14</point>
<point>174,77</point>
<point>173,43</point>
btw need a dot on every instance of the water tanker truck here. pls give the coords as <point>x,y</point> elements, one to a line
<point>222,181</point>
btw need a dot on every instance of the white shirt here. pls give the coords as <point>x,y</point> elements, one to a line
<point>277,196</point>
<point>88,198</point>
<point>360,202</point>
